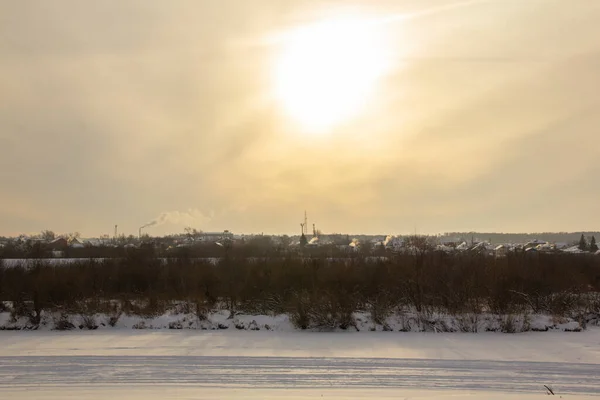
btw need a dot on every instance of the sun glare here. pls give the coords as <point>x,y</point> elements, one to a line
<point>328,71</point>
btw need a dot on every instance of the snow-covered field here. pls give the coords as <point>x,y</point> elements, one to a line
<point>192,364</point>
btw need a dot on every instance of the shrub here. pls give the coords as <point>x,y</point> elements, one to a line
<point>114,313</point>
<point>88,322</point>
<point>299,310</point>
<point>381,307</point>
<point>468,322</point>
<point>63,323</point>
<point>508,324</point>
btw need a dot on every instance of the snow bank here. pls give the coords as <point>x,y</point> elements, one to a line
<point>409,321</point>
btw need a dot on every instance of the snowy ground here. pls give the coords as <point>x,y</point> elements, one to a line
<point>406,321</point>
<point>298,365</point>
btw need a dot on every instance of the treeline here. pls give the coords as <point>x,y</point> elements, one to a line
<point>315,291</point>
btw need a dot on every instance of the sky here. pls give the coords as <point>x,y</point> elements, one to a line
<point>460,115</point>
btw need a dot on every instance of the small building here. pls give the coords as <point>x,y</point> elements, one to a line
<point>96,242</point>
<point>354,245</point>
<point>313,242</point>
<point>535,244</point>
<point>215,236</point>
<point>573,250</point>
<point>394,243</point>
<point>462,246</point>
<point>76,243</point>
<point>481,248</point>
<point>501,250</point>
<point>547,247</point>
<point>58,244</point>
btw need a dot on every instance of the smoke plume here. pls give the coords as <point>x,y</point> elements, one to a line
<point>191,217</point>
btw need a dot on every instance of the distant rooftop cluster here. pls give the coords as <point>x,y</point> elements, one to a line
<point>51,245</point>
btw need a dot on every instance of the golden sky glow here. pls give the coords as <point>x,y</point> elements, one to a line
<point>375,116</point>
<point>327,71</point>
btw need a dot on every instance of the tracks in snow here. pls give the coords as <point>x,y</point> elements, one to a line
<point>296,372</point>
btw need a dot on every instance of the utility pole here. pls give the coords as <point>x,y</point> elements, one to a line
<point>305,231</point>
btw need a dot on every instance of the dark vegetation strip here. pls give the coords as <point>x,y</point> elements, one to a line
<point>312,290</point>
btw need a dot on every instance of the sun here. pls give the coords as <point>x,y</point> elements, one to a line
<point>328,71</point>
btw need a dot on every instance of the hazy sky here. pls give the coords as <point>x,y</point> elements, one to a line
<point>117,111</point>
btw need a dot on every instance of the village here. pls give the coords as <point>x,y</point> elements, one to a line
<point>212,244</point>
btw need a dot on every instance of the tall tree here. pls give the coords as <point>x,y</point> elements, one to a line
<point>582,243</point>
<point>47,235</point>
<point>285,241</point>
<point>72,236</point>
<point>593,245</point>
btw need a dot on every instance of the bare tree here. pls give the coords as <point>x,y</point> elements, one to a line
<point>72,236</point>
<point>47,235</point>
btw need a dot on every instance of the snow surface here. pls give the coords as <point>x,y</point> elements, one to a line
<point>153,364</point>
<point>179,392</point>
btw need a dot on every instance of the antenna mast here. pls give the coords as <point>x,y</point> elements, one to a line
<point>305,229</point>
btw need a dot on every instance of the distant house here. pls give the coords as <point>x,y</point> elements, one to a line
<point>215,236</point>
<point>444,248</point>
<point>96,242</point>
<point>58,244</point>
<point>573,250</point>
<point>501,250</point>
<point>547,247</point>
<point>481,248</point>
<point>313,242</point>
<point>534,244</point>
<point>462,246</point>
<point>354,245</point>
<point>76,243</point>
<point>394,243</point>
